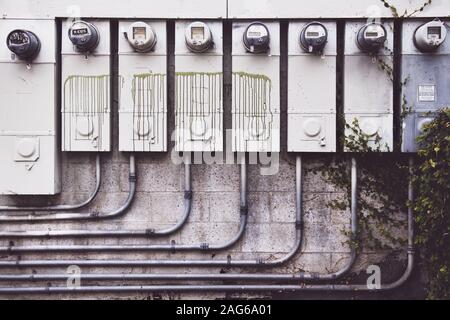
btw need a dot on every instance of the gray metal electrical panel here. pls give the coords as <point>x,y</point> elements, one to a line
<point>142,86</point>
<point>256,87</point>
<point>86,92</point>
<point>29,156</point>
<point>368,79</point>
<point>312,86</point>
<point>425,72</point>
<point>198,86</point>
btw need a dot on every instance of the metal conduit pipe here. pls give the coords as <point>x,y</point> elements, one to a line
<point>228,262</point>
<point>209,288</point>
<point>46,217</point>
<point>115,233</point>
<point>62,207</point>
<point>158,247</point>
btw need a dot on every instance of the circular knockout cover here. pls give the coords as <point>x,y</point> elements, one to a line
<point>26,147</point>
<point>198,127</point>
<point>369,127</point>
<point>142,128</point>
<point>85,127</point>
<point>312,127</point>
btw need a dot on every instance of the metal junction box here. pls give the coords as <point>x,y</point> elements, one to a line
<point>198,86</point>
<point>142,86</point>
<point>256,87</point>
<point>312,86</point>
<point>29,156</point>
<point>86,92</point>
<point>368,79</point>
<point>426,76</point>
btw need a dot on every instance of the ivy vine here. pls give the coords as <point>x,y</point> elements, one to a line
<point>383,202</point>
<point>432,204</point>
<point>405,14</point>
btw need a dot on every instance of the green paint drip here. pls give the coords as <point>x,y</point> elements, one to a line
<point>148,94</point>
<point>87,98</point>
<point>252,106</point>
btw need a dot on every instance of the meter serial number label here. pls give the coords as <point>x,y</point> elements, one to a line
<point>427,93</point>
<point>80,32</point>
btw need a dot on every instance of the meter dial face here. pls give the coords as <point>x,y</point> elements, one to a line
<point>141,37</point>
<point>84,36</point>
<point>24,44</point>
<point>198,37</point>
<point>256,38</point>
<point>371,37</point>
<point>313,37</point>
<point>430,36</point>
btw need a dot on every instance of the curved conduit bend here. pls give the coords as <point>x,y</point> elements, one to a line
<point>62,207</point>
<point>223,288</point>
<point>115,233</point>
<point>46,217</point>
<point>146,233</point>
<point>229,262</point>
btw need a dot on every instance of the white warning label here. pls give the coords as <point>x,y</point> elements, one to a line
<point>427,93</point>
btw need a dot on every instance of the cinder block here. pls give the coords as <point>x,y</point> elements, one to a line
<point>282,206</point>
<point>259,207</point>
<point>223,178</point>
<point>213,233</point>
<point>282,180</point>
<point>269,238</point>
<point>224,206</point>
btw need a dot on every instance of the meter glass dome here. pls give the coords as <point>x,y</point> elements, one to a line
<point>198,37</point>
<point>84,36</point>
<point>313,37</point>
<point>371,37</point>
<point>141,37</point>
<point>24,44</point>
<point>257,38</point>
<point>429,36</point>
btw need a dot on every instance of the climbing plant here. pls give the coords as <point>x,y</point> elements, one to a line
<point>405,14</point>
<point>432,204</point>
<point>383,183</point>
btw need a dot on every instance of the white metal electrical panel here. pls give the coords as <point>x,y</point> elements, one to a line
<point>142,86</point>
<point>198,86</point>
<point>29,157</point>
<point>256,92</point>
<point>425,74</point>
<point>312,86</point>
<point>368,82</point>
<point>86,93</point>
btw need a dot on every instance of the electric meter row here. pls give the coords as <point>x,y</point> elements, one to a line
<point>28,69</point>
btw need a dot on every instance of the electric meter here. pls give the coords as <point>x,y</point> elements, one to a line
<point>84,36</point>
<point>313,37</point>
<point>429,36</point>
<point>141,37</point>
<point>198,37</point>
<point>24,44</point>
<point>371,37</point>
<point>257,38</point>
